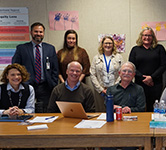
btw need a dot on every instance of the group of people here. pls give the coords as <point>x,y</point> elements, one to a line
<point>30,83</point>
<point>43,67</point>
<point>148,59</point>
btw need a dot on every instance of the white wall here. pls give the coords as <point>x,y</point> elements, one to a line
<point>95,17</point>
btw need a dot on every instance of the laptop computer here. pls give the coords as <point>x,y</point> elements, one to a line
<point>74,110</point>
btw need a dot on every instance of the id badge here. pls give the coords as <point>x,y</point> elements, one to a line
<point>48,65</point>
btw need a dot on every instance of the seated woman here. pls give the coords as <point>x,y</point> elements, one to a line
<point>16,97</point>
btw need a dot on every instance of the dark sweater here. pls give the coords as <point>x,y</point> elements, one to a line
<point>82,94</point>
<point>5,102</point>
<point>148,62</point>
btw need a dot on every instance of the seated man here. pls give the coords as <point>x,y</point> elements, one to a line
<point>72,90</point>
<point>127,94</point>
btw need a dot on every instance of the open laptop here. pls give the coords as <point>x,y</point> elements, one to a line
<point>74,110</point>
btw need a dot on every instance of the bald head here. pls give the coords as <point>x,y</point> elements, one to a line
<point>74,71</point>
<point>74,63</point>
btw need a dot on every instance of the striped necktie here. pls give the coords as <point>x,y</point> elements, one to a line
<point>38,65</point>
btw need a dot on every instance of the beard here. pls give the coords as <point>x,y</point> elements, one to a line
<point>37,38</point>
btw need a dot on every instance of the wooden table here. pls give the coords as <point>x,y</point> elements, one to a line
<point>62,134</point>
<point>160,135</point>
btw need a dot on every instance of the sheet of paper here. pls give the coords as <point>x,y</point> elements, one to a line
<point>90,124</point>
<point>43,119</point>
<point>36,127</point>
<point>103,116</point>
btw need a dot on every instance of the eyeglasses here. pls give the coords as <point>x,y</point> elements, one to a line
<point>129,71</point>
<point>147,35</point>
<point>108,43</point>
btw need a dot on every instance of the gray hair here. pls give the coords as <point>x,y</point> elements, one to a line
<point>129,62</point>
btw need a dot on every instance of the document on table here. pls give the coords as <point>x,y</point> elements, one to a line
<point>90,124</point>
<point>37,127</point>
<point>43,119</point>
<point>103,116</point>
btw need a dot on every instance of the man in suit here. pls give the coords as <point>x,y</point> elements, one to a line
<point>40,60</point>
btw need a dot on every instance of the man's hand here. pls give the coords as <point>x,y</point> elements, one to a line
<point>115,106</point>
<point>126,110</point>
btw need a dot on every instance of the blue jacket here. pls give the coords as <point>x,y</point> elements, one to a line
<point>24,56</point>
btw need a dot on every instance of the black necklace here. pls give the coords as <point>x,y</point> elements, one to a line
<point>10,98</point>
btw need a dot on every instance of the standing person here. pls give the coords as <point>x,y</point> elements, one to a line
<point>104,70</point>
<point>75,91</point>
<point>70,52</point>
<point>16,97</point>
<point>40,60</point>
<point>150,61</point>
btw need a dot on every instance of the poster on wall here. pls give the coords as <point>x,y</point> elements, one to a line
<point>14,30</point>
<point>119,40</point>
<point>159,29</point>
<point>63,20</point>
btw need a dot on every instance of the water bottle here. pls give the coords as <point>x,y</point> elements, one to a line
<point>156,109</point>
<point>109,108</point>
<point>162,109</point>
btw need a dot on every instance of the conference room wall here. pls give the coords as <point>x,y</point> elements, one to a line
<point>95,17</point>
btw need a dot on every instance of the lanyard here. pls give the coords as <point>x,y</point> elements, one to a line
<point>107,66</point>
<point>10,98</point>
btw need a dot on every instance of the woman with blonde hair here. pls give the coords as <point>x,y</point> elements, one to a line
<point>149,58</point>
<point>70,52</point>
<point>16,97</point>
<point>104,70</point>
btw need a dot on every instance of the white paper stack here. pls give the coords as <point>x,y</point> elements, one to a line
<point>37,127</point>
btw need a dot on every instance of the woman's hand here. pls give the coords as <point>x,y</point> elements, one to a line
<point>148,80</point>
<point>13,111</point>
<point>104,91</point>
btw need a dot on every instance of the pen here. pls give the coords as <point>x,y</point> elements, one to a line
<point>49,118</point>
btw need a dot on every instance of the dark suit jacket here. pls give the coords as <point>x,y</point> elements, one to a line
<point>24,56</point>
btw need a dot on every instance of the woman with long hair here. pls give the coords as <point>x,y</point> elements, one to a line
<point>149,58</point>
<point>72,52</point>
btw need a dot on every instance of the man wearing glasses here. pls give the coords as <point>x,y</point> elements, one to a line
<point>127,94</point>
